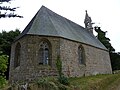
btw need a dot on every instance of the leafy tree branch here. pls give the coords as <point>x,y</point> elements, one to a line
<point>8,8</point>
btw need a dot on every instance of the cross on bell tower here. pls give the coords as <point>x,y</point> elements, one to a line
<point>88,23</point>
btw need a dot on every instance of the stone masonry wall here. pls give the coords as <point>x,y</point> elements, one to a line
<point>97,61</point>
<point>29,65</point>
<point>69,56</point>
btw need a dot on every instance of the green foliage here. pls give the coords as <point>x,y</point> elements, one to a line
<point>51,83</point>
<point>3,81</point>
<point>115,57</point>
<point>47,83</point>
<point>3,68</point>
<point>3,64</point>
<point>103,39</point>
<point>115,61</point>
<point>59,66</point>
<point>6,39</point>
<point>62,79</point>
<point>42,81</point>
<point>98,82</point>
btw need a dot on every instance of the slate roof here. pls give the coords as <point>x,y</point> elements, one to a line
<point>48,23</point>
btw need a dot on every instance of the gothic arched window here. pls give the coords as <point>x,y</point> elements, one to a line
<point>17,55</point>
<point>81,55</point>
<point>44,53</point>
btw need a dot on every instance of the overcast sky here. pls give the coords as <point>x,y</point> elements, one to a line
<point>105,13</point>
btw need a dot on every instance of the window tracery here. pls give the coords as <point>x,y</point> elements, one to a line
<point>81,55</point>
<point>17,55</point>
<point>44,53</point>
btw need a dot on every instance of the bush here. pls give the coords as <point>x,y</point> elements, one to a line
<point>63,80</point>
<point>47,83</point>
<point>3,81</point>
<point>3,68</point>
<point>59,66</point>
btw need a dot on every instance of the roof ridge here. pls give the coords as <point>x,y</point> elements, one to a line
<point>48,23</point>
<point>49,10</point>
<point>50,17</point>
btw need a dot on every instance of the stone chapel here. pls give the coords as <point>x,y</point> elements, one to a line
<point>48,35</point>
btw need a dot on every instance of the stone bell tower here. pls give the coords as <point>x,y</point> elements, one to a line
<point>88,23</point>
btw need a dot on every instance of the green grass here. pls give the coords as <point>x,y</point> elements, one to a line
<point>98,82</point>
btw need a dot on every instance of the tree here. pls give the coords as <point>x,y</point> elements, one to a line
<point>3,69</point>
<point>115,61</point>
<point>7,8</point>
<point>6,39</point>
<point>114,57</point>
<point>103,39</point>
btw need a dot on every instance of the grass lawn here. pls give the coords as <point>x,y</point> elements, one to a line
<point>97,82</point>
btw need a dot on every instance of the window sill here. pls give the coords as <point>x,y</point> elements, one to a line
<point>40,66</point>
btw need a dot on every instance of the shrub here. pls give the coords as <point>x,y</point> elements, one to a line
<point>59,66</point>
<point>47,83</point>
<point>3,68</point>
<point>63,80</point>
<point>3,81</point>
